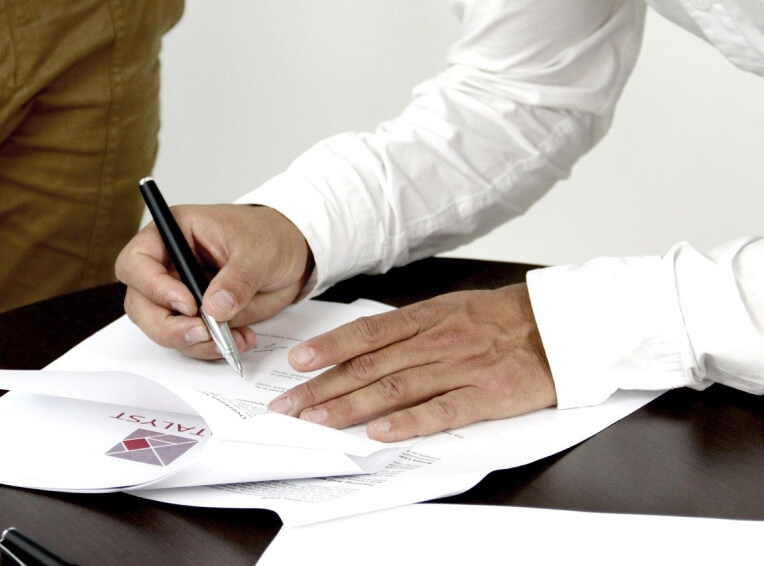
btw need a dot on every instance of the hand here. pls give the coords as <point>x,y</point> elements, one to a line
<point>435,365</point>
<point>261,261</point>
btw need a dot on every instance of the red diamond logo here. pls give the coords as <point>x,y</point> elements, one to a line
<point>152,447</point>
<point>136,443</point>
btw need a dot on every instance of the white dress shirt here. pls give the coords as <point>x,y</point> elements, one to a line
<point>530,87</point>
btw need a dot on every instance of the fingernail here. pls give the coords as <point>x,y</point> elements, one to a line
<point>302,355</point>
<point>280,404</point>
<point>196,334</point>
<point>317,416</point>
<point>380,427</point>
<point>223,301</point>
<point>181,307</point>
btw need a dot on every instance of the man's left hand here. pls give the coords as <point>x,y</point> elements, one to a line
<point>439,364</point>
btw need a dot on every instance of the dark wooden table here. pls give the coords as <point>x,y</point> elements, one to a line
<point>687,453</point>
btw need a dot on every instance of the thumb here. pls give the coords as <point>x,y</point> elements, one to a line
<point>232,289</point>
<point>259,251</point>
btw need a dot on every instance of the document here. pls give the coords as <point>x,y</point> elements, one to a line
<point>105,416</point>
<point>500,535</point>
<point>120,413</point>
<point>439,465</point>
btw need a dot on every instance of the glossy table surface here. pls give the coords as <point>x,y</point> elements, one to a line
<point>687,453</point>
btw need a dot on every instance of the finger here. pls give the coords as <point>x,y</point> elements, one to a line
<point>162,325</point>
<point>392,392</point>
<point>390,364</point>
<point>142,266</point>
<point>265,305</point>
<point>259,263</point>
<point>361,336</point>
<point>189,335</point>
<point>244,337</point>
<point>233,288</point>
<point>463,406</point>
<point>451,410</point>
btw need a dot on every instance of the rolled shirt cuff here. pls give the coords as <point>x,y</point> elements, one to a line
<point>609,324</point>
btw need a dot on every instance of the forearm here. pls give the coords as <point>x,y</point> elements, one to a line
<point>528,91</point>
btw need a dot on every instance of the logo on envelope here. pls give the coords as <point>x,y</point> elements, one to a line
<point>152,447</point>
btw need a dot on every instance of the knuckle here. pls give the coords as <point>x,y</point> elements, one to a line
<point>247,288</point>
<point>129,310</point>
<point>119,269</point>
<point>309,393</point>
<point>361,367</point>
<point>424,312</point>
<point>129,299</point>
<point>156,294</point>
<point>445,411</point>
<point>242,287</point>
<point>367,328</point>
<point>394,388</point>
<point>454,335</point>
<point>123,266</point>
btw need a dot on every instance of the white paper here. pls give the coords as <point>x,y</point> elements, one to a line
<point>233,407</point>
<point>72,445</point>
<point>251,458</point>
<point>437,466</point>
<point>500,535</point>
<point>120,371</point>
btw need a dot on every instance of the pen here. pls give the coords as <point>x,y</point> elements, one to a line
<point>27,552</point>
<point>190,272</point>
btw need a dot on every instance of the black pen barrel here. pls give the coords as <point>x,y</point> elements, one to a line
<point>180,252</point>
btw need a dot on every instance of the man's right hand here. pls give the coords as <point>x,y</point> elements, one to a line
<point>260,260</point>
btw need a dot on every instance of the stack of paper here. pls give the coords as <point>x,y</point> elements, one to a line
<point>118,413</point>
<point>121,413</point>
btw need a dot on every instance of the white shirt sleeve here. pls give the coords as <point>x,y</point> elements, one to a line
<point>734,27</point>
<point>529,88</point>
<point>685,319</point>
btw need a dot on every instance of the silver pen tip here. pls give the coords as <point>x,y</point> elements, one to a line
<point>233,360</point>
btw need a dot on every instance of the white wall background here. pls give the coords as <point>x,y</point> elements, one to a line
<point>248,85</point>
